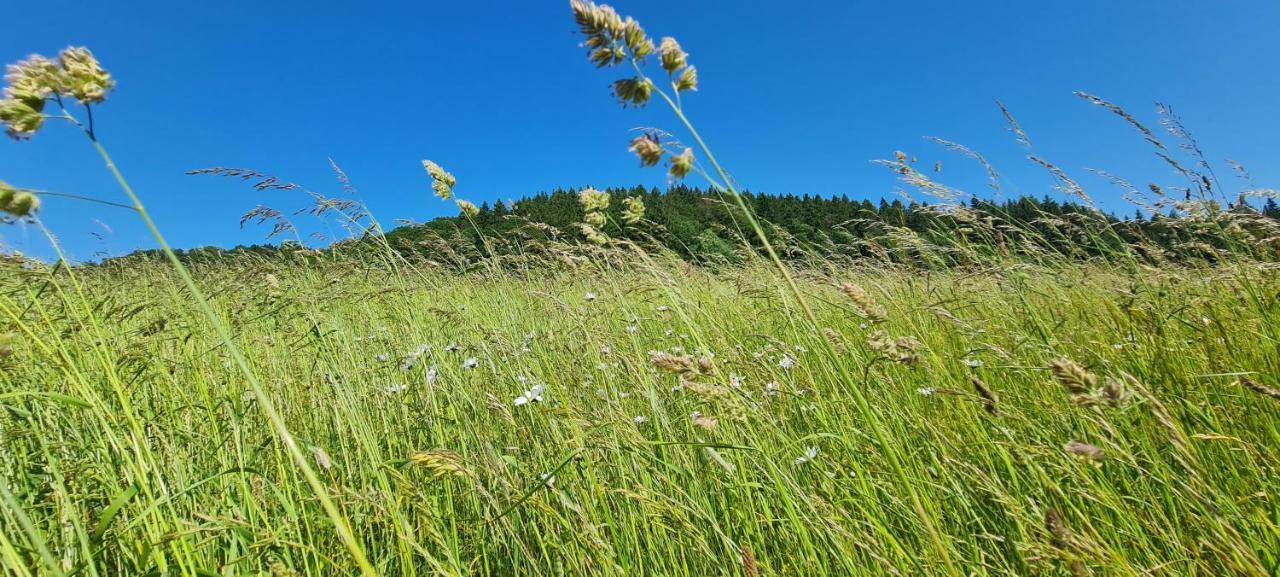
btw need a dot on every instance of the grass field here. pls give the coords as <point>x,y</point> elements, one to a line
<point>689,425</point>
<point>1060,394</point>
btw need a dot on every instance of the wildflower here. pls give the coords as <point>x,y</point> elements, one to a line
<point>547,479</point>
<point>771,389</point>
<point>441,181</point>
<point>453,347</point>
<point>394,388</point>
<point>735,380</point>
<point>647,148</point>
<point>533,395</point>
<point>412,358</point>
<point>468,209</point>
<point>381,357</point>
<point>972,363</point>
<point>589,297</point>
<point>640,420</point>
<point>662,308</point>
<point>322,458</point>
<point>682,164</point>
<point>440,463</point>
<point>787,361</point>
<point>633,210</point>
<point>631,328</point>
<point>673,58</point>
<point>432,375</point>
<point>470,363</point>
<point>926,391</point>
<point>810,453</point>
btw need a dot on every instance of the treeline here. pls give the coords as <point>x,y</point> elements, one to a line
<point>702,225</point>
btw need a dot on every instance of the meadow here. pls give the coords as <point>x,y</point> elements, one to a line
<point>1062,395</point>
<point>687,423</point>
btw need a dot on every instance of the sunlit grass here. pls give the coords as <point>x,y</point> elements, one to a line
<point>438,469</point>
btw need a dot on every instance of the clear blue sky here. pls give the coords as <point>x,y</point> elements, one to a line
<point>795,97</point>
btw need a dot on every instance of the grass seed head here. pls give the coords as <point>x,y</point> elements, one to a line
<point>593,200</point>
<point>678,364</point>
<point>83,78</point>
<point>1078,381</point>
<point>673,57</point>
<point>1084,450</point>
<point>440,463</point>
<point>441,181</point>
<point>647,148</point>
<point>633,90</point>
<point>467,208</point>
<point>633,210</point>
<point>1259,388</point>
<point>990,402</point>
<point>17,202</point>
<point>681,164</point>
<point>863,301</point>
<point>688,80</point>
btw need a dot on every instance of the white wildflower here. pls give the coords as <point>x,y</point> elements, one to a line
<point>810,453</point>
<point>589,296</point>
<point>640,420</point>
<point>394,388</point>
<point>787,361</point>
<point>471,363</point>
<point>926,391</point>
<point>533,395</point>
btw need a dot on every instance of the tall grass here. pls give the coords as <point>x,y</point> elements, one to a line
<point>976,403</point>
<point>1182,481</point>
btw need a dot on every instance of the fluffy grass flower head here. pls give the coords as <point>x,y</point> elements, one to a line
<point>30,83</point>
<point>593,200</point>
<point>633,210</point>
<point>441,181</point>
<point>17,202</point>
<point>468,208</point>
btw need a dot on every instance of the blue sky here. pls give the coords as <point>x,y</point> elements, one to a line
<point>794,97</point>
